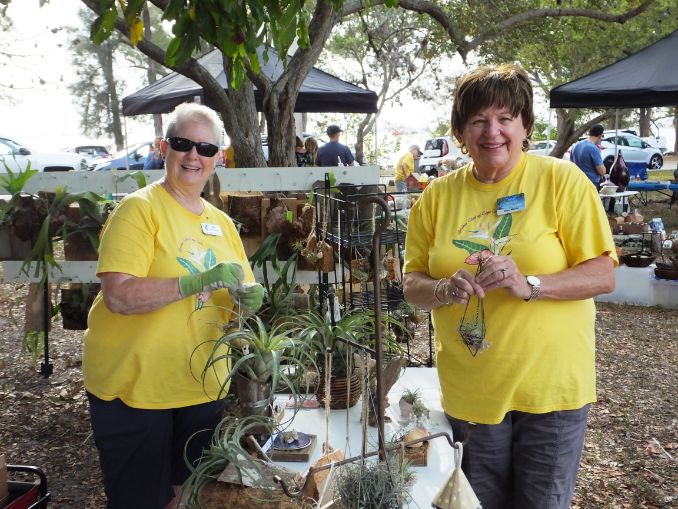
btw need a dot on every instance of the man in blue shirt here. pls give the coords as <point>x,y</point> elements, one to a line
<point>334,153</point>
<point>586,155</point>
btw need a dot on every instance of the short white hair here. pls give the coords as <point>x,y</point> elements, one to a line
<point>188,112</point>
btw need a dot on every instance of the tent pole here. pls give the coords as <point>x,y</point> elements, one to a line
<point>124,124</point>
<point>376,138</point>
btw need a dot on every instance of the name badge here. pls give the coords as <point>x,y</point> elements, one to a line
<point>211,229</point>
<point>509,204</point>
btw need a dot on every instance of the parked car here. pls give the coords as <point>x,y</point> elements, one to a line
<point>633,150</point>
<point>439,149</point>
<point>134,156</point>
<point>542,148</point>
<point>17,156</point>
<point>93,153</point>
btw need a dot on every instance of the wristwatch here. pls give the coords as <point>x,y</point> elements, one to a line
<point>535,283</point>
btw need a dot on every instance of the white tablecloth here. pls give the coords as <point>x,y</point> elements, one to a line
<point>346,434</point>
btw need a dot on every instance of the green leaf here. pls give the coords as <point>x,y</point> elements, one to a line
<point>185,263</point>
<point>210,259</point>
<point>504,227</point>
<point>471,247</point>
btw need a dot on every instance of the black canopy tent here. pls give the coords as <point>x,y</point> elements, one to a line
<point>645,79</point>
<point>320,92</point>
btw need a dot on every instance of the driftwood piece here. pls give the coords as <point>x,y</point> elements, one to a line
<point>245,208</point>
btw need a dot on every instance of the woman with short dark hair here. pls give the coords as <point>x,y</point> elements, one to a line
<point>509,252</point>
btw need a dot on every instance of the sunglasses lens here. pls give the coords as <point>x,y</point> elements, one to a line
<point>185,145</point>
<point>206,149</point>
<point>180,144</point>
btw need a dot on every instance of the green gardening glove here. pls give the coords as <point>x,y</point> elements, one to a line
<point>223,275</point>
<point>249,296</point>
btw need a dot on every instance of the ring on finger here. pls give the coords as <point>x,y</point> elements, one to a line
<point>503,274</point>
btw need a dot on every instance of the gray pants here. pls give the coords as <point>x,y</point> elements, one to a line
<point>527,461</point>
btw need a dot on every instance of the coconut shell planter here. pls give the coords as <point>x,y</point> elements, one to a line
<point>667,270</point>
<point>639,259</point>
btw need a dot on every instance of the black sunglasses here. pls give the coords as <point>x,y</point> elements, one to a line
<point>185,145</point>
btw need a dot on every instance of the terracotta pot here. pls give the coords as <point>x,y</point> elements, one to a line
<point>344,392</point>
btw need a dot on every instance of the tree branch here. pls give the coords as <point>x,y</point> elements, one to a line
<point>534,14</point>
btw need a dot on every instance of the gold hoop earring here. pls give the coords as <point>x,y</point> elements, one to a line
<point>526,144</point>
<point>463,149</point>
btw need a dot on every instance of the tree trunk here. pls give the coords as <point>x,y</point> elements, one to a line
<point>364,128</point>
<point>239,113</point>
<point>565,128</point>
<point>644,118</point>
<point>152,69</point>
<point>280,97</point>
<point>105,56</point>
<point>279,110</point>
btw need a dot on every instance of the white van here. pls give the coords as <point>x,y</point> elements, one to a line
<point>440,149</point>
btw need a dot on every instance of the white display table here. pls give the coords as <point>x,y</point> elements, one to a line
<point>346,433</point>
<point>638,286</point>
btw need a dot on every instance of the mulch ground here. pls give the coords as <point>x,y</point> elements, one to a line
<point>630,457</point>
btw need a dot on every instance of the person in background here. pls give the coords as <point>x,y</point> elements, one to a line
<point>405,167</point>
<point>586,155</point>
<point>171,267</point>
<point>302,156</point>
<point>334,153</point>
<point>526,237</point>
<point>228,155</point>
<point>311,146</point>
<point>154,160</point>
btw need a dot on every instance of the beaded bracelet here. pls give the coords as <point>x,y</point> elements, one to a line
<point>435,294</point>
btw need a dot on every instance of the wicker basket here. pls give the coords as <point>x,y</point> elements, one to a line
<point>640,259</point>
<point>344,392</point>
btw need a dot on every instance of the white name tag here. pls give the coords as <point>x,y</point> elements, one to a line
<point>211,229</point>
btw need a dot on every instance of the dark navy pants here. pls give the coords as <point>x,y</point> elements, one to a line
<point>528,461</point>
<point>142,451</point>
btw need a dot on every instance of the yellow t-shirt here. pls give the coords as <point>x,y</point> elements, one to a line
<point>408,160</point>
<point>155,360</point>
<point>542,353</point>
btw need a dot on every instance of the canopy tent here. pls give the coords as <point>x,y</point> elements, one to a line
<point>320,92</point>
<point>645,79</point>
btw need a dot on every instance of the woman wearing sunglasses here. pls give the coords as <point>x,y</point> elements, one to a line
<point>171,267</point>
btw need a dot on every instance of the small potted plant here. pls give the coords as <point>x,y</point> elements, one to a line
<point>407,401</point>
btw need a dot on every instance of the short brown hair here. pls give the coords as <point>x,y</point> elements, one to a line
<point>503,86</point>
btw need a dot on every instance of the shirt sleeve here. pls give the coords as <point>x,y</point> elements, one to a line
<point>583,227</point>
<point>129,225</point>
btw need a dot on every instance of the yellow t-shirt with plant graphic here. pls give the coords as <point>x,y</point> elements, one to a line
<point>541,356</point>
<point>155,360</point>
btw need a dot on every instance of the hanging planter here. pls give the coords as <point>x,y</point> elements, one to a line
<point>343,392</point>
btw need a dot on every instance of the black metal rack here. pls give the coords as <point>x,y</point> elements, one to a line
<point>347,221</point>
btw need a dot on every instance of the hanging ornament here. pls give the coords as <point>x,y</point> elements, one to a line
<point>472,324</point>
<point>457,492</point>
